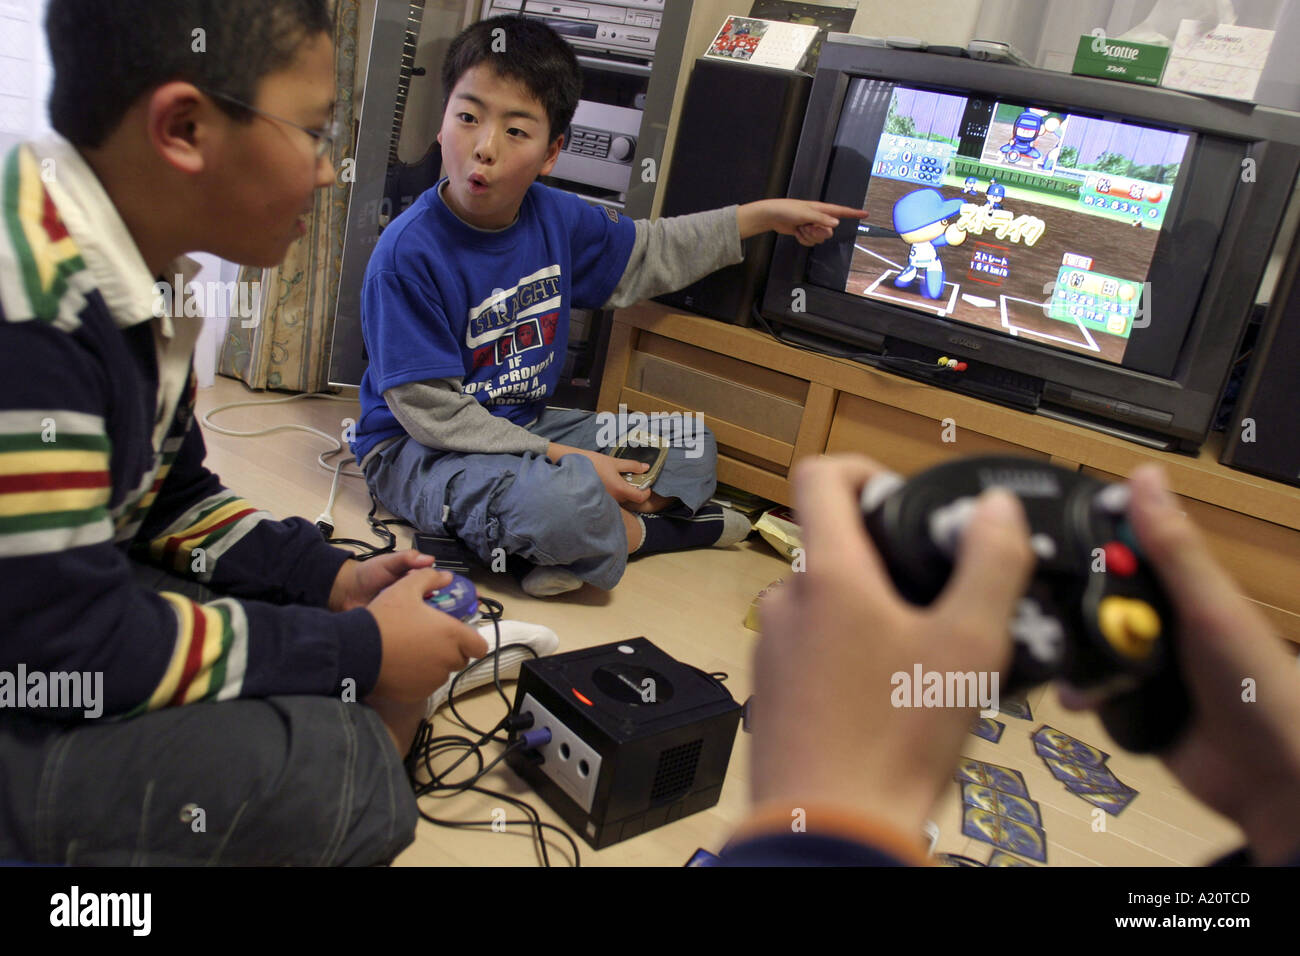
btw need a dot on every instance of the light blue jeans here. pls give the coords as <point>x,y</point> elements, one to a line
<point>548,513</point>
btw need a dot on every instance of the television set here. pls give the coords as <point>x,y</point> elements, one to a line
<point>1078,248</point>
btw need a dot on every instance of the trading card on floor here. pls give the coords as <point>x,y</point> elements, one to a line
<point>989,729</point>
<point>1002,858</point>
<point>1050,753</point>
<point>975,795</point>
<point>1080,788</point>
<point>1113,802</point>
<point>1073,748</point>
<point>1007,780</point>
<point>1075,773</point>
<point>1019,809</point>
<point>1001,804</point>
<point>982,825</point>
<point>1005,834</point>
<point>991,775</point>
<point>956,859</point>
<point>1024,840</point>
<point>970,770</point>
<point>702,857</point>
<point>1015,707</point>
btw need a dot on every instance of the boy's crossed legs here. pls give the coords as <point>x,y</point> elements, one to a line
<point>558,515</point>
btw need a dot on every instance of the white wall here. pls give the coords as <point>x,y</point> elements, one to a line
<point>24,72</point>
<point>938,22</point>
<point>208,347</point>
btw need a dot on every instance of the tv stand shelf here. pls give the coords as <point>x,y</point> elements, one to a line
<point>770,404</point>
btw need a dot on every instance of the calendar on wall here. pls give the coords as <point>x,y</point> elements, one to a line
<point>763,42</point>
<point>829,16</point>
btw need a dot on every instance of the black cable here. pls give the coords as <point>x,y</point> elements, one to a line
<point>367,552</point>
<point>534,821</point>
<point>493,614</point>
<point>381,528</point>
<point>494,611</point>
<point>716,676</point>
<point>438,783</point>
<point>427,747</point>
<point>436,788</point>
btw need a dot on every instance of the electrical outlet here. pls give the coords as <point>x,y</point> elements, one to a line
<point>570,762</point>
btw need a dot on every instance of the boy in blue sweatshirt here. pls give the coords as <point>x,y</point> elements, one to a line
<point>465,313</point>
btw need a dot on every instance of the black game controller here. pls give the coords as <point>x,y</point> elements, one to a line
<point>1094,615</point>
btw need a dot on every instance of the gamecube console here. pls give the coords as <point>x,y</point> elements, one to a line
<point>638,739</point>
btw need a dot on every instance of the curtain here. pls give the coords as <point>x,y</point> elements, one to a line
<point>286,345</point>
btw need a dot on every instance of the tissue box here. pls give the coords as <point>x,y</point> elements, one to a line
<point>1120,60</point>
<point>1227,61</point>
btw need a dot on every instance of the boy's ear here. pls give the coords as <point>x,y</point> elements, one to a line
<point>179,125</point>
<point>552,154</point>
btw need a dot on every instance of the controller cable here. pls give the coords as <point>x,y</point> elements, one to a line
<point>380,527</point>
<point>426,747</point>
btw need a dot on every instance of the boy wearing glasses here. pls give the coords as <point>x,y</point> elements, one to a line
<point>220,655</point>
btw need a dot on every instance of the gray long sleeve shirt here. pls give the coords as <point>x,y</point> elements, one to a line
<point>667,254</point>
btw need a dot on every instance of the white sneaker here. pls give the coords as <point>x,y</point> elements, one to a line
<point>549,580</point>
<point>516,638</point>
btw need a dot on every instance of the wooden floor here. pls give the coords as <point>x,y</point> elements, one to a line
<point>692,605</point>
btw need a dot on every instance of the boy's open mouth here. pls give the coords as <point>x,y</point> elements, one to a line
<point>477,183</point>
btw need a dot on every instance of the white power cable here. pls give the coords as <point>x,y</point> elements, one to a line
<point>325,521</point>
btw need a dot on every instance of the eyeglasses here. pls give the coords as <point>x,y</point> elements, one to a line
<point>324,137</point>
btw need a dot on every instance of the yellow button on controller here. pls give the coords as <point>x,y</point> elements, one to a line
<point>1131,626</point>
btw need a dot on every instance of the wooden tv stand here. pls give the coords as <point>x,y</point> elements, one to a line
<point>770,404</point>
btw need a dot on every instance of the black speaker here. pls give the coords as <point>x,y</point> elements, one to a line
<point>1262,436</point>
<point>736,140</point>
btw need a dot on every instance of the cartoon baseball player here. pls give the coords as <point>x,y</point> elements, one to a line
<point>921,218</point>
<point>1026,129</point>
<point>995,194</point>
<point>1028,126</point>
<point>972,185</point>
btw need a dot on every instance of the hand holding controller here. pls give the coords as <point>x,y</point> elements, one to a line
<point>1094,615</point>
<point>834,635</point>
<point>419,647</point>
<point>458,598</point>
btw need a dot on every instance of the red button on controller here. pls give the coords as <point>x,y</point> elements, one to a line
<point>1120,559</point>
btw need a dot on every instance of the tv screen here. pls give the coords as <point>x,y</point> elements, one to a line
<point>1014,216</point>
<point>1090,249</point>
